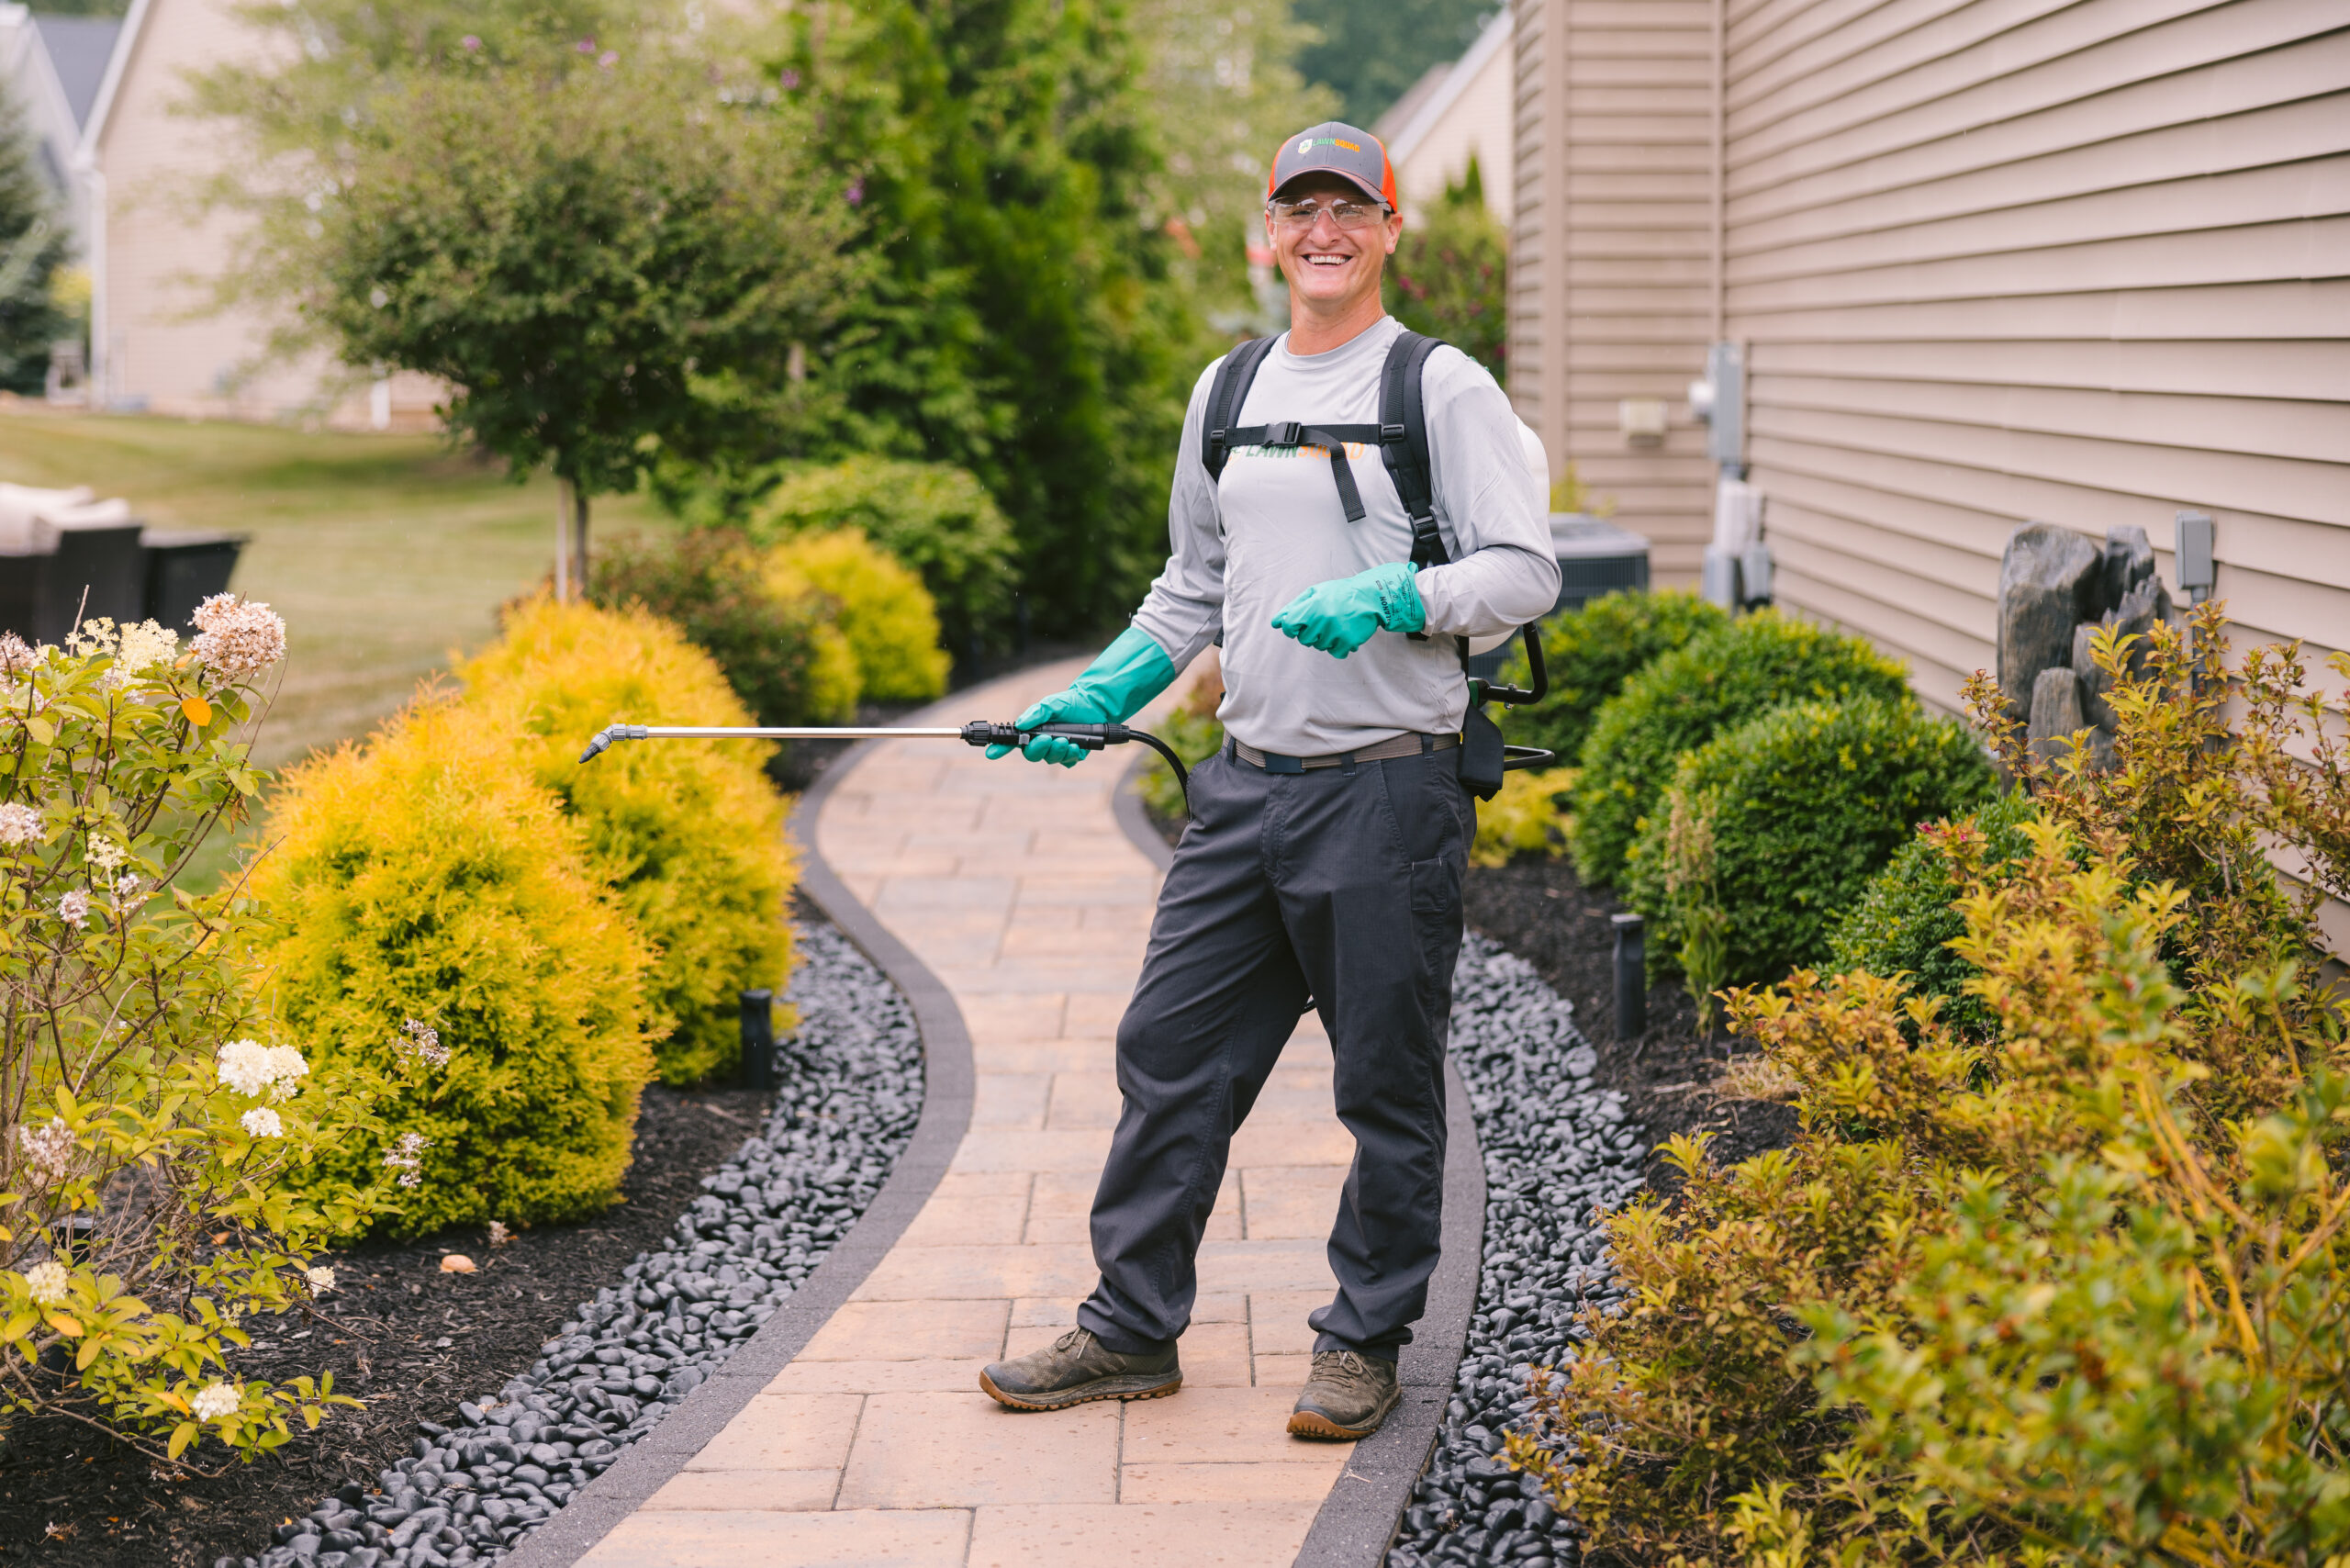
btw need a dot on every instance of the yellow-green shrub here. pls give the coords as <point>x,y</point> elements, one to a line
<point>424,876</point>
<point>1525,818</point>
<point>686,834</point>
<point>880,607</point>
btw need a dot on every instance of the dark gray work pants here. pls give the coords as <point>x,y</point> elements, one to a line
<point>1340,885</point>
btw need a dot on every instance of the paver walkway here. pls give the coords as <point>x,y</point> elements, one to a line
<point>1014,883</point>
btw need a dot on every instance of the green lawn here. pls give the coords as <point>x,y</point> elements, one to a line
<point>387,554</point>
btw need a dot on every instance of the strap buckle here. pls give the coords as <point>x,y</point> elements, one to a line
<point>1289,432</point>
<point>1389,435</point>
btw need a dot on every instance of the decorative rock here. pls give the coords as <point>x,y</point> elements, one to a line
<point>2129,561</point>
<point>2050,579</point>
<point>2055,713</point>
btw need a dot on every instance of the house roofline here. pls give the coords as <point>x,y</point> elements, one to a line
<point>118,63</point>
<point>1447,92</point>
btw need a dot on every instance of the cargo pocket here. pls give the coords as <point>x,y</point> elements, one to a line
<point>1436,936</point>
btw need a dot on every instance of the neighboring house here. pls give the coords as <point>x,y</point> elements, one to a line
<point>156,342</point>
<point>2085,262</point>
<point>52,66</point>
<point>1453,112</point>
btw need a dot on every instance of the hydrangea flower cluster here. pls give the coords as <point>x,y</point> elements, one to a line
<point>236,638</point>
<point>321,1279</point>
<point>250,1068</point>
<point>408,1157</point>
<point>49,1282</point>
<point>19,824</point>
<point>141,648</point>
<point>50,1149</point>
<point>73,909</point>
<point>422,1040</point>
<point>17,657</point>
<point>262,1122</point>
<point>215,1402</point>
<point>107,855</point>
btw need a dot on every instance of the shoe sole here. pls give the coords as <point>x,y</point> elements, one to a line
<point>1315,1424</point>
<point>1085,1393</point>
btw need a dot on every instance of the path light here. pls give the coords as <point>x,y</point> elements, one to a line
<point>1631,977</point>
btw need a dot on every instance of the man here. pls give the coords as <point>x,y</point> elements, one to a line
<point>1322,866</point>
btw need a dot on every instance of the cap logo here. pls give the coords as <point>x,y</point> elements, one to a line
<point>1306,144</point>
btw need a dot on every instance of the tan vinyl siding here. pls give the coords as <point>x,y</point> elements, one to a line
<point>1615,278</point>
<point>2010,260</point>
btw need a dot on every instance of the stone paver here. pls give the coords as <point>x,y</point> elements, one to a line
<point>875,1447</point>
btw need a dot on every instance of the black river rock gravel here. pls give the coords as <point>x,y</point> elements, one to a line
<point>1559,1150</point>
<point>849,1093</point>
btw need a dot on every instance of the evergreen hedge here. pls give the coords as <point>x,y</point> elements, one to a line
<point>1589,652</point>
<point>1677,702</point>
<point>1804,804</point>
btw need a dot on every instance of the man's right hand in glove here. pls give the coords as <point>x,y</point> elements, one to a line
<point>1113,689</point>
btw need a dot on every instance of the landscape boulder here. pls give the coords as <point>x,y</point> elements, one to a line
<point>2050,579</point>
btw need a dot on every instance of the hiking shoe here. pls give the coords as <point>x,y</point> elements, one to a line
<point>1346,1397</point>
<point>1078,1369</point>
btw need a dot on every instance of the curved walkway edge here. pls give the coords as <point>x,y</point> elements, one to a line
<point>948,1085</point>
<point>1358,1520</point>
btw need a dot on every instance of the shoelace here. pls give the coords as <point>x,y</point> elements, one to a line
<point>1351,1364</point>
<point>1072,1339</point>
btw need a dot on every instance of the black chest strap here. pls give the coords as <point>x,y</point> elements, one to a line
<point>1402,434</point>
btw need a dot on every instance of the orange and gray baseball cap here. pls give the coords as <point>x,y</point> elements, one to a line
<point>1332,148</point>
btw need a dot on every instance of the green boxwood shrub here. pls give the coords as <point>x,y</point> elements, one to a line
<point>1806,804</point>
<point>1903,921</point>
<point>880,605</point>
<point>785,657</point>
<point>424,877</point>
<point>1723,677</point>
<point>1589,652</point>
<point>688,834</point>
<point>934,517</point>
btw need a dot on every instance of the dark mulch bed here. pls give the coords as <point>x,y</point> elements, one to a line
<point>406,1339</point>
<point>1537,909</point>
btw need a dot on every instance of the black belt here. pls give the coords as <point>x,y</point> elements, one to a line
<point>1383,751</point>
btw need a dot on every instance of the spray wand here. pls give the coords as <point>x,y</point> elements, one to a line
<point>979,732</point>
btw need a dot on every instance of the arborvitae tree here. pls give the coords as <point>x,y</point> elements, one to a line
<point>34,242</point>
<point>1373,52</point>
<point>1019,317</point>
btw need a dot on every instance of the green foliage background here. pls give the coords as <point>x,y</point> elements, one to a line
<point>1449,277</point>
<point>1371,54</point>
<point>1589,652</point>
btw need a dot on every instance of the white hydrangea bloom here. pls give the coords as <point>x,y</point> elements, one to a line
<point>73,909</point>
<point>321,1279</point>
<point>262,1122</point>
<point>424,1041</point>
<point>107,855</point>
<point>250,1068</point>
<point>236,638</point>
<point>141,648</point>
<point>215,1402</point>
<point>408,1157</point>
<point>49,1283</point>
<point>19,824</point>
<point>50,1149</point>
<point>245,1066</point>
<point>97,636</point>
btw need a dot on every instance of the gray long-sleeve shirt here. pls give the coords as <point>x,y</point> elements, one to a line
<point>1273,527</point>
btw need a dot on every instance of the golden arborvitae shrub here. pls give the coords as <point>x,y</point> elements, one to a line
<point>431,897</point>
<point>688,834</point>
<point>880,607</point>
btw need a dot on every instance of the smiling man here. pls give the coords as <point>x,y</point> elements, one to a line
<point>1322,862</point>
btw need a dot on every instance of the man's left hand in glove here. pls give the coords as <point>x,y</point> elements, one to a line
<point>1339,616</point>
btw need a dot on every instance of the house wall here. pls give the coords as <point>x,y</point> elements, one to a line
<point>1612,287</point>
<point>2013,259</point>
<point>160,347</point>
<point>1469,113</point>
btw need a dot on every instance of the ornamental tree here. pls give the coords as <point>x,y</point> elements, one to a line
<point>585,231</point>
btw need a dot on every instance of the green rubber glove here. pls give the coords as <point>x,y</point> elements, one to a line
<point>1113,689</point>
<point>1339,616</point>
